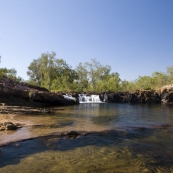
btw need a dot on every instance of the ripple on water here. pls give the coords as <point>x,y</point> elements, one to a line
<point>138,147</point>
<point>97,152</point>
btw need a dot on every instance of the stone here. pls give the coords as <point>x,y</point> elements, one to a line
<point>5,123</point>
<point>2,128</point>
<point>72,133</point>
<point>167,94</point>
<point>10,126</point>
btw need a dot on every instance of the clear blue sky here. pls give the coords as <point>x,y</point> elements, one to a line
<point>134,37</point>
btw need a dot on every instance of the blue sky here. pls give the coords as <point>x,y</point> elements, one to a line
<point>134,37</point>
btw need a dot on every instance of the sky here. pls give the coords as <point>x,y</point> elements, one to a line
<point>134,37</point>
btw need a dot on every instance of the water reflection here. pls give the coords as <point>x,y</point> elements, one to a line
<point>136,150</point>
<point>91,117</point>
<point>127,138</point>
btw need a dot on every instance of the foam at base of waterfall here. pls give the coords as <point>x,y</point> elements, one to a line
<point>89,99</point>
<point>69,97</point>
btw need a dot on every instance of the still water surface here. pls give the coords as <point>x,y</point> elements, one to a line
<point>126,138</point>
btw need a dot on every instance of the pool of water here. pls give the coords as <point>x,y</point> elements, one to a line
<point>125,138</point>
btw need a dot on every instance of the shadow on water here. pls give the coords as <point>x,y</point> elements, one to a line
<point>148,148</point>
<point>14,153</point>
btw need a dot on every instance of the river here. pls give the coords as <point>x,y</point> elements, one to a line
<point>119,138</point>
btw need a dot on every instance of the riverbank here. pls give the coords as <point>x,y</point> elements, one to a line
<point>164,96</point>
<point>23,94</point>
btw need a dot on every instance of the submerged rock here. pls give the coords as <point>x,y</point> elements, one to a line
<point>72,133</point>
<point>9,126</point>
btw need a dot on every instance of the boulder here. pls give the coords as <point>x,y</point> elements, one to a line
<point>166,94</point>
<point>10,127</point>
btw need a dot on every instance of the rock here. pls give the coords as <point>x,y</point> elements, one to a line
<point>72,133</point>
<point>139,96</point>
<point>10,126</point>
<point>166,94</point>
<point>2,128</point>
<point>22,94</point>
<point>5,123</point>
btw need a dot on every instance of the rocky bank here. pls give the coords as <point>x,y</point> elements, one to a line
<point>164,95</point>
<point>23,94</point>
<point>139,96</point>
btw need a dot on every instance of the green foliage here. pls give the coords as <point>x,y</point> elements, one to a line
<point>57,75</point>
<point>52,73</point>
<point>10,73</point>
<point>91,75</point>
<point>110,82</point>
<point>155,81</point>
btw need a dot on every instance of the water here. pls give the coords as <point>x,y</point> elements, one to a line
<point>126,138</point>
<point>83,98</point>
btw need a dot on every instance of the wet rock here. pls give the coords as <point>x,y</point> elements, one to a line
<point>72,133</point>
<point>5,123</point>
<point>2,128</point>
<point>11,126</point>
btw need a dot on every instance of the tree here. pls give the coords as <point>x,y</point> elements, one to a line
<point>52,73</point>
<point>82,77</point>
<point>91,72</point>
<point>127,86</point>
<point>42,70</point>
<point>65,77</point>
<point>10,73</point>
<point>170,74</point>
<point>110,82</point>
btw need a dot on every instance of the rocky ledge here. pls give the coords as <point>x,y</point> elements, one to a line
<point>23,94</point>
<point>9,126</point>
<point>139,96</point>
<point>164,95</point>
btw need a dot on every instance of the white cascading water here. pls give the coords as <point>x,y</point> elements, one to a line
<point>69,97</point>
<point>89,99</point>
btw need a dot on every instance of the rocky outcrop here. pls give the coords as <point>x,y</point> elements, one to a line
<point>9,126</point>
<point>166,94</point>
<point>139,96</point>
<point>16,93</point>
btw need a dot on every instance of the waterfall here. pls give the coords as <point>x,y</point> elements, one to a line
<point>89,99</point>
<point>69,97</point>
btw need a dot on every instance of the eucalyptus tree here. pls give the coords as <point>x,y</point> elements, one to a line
<point>170,74</point>
<point>82,77</point>
<point>127,86</point>
<point>52,73</point>
<point>65,77</point>
<point>11,73</point>
<point>110,82</point>
<point>159,79</point>
<point>92,72</point>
